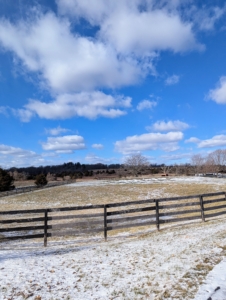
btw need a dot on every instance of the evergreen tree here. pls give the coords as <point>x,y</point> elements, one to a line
<point>6,181</point>
<point>41,180</point>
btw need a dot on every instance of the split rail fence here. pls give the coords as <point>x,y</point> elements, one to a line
<point>90,219</point>
<point>30,188</point>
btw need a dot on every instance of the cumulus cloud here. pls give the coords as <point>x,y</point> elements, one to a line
<point>9,150</point>
<point>146,104</point>
<point>94,159</point>
<point>86,104</point>
<point>97,146</point>
<point>66,61</point>
<point>64,144</point>
<point>171,80</point>
<point>219,93</point>
<point>150,141</point>
<point>131,29</point>
<point>56,131</point>
<point>14,156</point>
<point>215,141</point>
<point>168,126</point>
<point>176,157</point>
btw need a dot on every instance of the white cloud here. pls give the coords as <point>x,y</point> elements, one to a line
<point>174,79</point>
<point>215,141</point>
<point>3,110</point>
<point>64,144</point>
<point>17,157</point>
<point>86,104</point>
<point>94,159</point>
<point>168,126</point>
<point>9,150</point>
<point>56,131</point>
<point>150,141</point>
<point>132,30</point>
<point>97,146</point>
<point>146,104</point>
<point>176,157</point>
<point>219,93</point>
<point>64,61</point>
<point>207,17</point>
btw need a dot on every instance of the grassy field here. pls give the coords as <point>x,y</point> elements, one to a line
<point>103,192</point>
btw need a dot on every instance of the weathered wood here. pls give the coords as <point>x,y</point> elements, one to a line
<point>76,232</point>
<point>131,225</point>
<point>22,211</point>
<point>24,237</point>
<point>215,207</point>
<point>105,222</point>
<point>130,203</point>
<point>82,207</point>
<point>129,211</point>
<point>181,212</point>
<point>179,219</point>
<point>178,205</point>
<point>213,201</point>
<point>117,220</point>
<point>75,216</point>
<point>75,224</point>
<point>215,214</point>
<point>157,213</point>
<point>45,228</point>
<point>29,220</point>
<point>202,208</point>
<point>22,228</point>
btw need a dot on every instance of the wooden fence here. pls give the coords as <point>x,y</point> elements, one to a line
<point>30,188</point>
<point>89,219</point>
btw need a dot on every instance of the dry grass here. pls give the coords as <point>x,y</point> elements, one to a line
<point>103,194</point>
<point>72,195</point>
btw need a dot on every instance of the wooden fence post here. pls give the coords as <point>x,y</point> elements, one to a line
<point>105,222</point>
<point>157,213</point>
<point>45,228</point>
<point>202,208</point>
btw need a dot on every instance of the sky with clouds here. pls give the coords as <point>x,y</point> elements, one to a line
<point>96,81</point>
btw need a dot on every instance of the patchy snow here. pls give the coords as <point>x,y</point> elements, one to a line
<point>182,179</point>
<point>215,284</point>
<point>170,264</point>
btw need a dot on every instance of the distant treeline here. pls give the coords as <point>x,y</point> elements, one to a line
<point>74,170</point>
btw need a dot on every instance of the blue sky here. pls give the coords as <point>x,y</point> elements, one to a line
<point>96,81</point>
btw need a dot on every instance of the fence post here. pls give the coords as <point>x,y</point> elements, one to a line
<point>105,222</point>
<point>45,228</point>
<point>157,213</point>
<point>202,208</point>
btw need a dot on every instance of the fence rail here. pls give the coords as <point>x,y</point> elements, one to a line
<point>87,219</point>
<point>30,188</point>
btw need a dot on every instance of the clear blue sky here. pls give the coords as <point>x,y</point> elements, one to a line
<point>96,81</point>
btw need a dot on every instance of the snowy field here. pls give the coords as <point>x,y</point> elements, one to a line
<point>179,262</point>
<point>171,264</point>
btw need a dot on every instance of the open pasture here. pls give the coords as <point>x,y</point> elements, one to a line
<point>136,263</point>
<point>104,192</point>
<point>121,212</point>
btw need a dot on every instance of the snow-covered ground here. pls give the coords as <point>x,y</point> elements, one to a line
<point>170,264</point>
<point>152,180</point>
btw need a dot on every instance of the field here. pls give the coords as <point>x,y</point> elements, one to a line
<point>133,264</point>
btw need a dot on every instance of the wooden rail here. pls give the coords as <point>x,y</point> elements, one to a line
<point>30,188</point>
<point>87,219</point>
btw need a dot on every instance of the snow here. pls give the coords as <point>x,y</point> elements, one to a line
<point>170,264</point>
<point>215,284</point>
<point>178,262</point>
<point>153,180</point>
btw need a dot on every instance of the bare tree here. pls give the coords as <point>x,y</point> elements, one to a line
<point>166,169</point>
<point>217,160</point>
<point>198,162</point>
<point>136,162</point>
